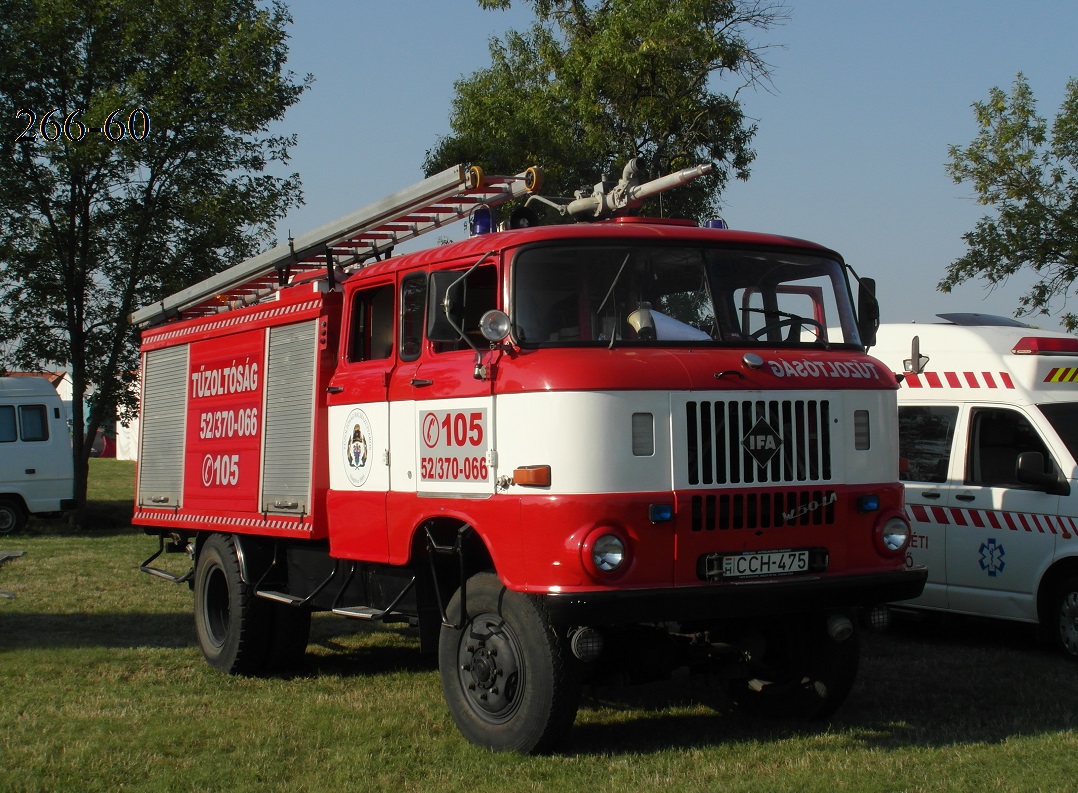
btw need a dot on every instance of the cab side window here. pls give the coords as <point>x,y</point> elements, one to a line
<point>925,435</point>
<point>997,437</point>
<point>413,302</point>
<point>371,325</point>
<point>478,295</point>
<point>8,432</point>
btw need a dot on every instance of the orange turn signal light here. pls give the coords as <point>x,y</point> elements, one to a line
<point>532,476</point>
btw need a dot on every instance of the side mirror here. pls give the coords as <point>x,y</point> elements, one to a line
<point>1030,471</point>
<point>445,305</point>
<point>868,311</point>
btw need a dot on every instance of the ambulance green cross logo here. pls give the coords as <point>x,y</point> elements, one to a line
<point>762,442</point>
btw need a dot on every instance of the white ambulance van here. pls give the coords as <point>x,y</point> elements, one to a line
<point>36,470</point>
<point>988,445</point>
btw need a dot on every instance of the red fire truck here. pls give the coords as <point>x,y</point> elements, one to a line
<point>621,444</point>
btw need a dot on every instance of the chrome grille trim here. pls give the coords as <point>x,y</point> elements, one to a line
<point>715,454</point>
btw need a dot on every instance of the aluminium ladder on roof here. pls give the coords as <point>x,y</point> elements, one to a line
<point>373,230</point>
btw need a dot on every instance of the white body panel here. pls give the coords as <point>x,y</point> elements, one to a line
<point>35,446</point>
<point>460,447</point>
<point>987,544</point>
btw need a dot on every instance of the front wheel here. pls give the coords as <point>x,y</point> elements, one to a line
<point>804,673</point>
<point>508,679</point>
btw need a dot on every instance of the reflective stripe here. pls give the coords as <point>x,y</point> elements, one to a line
<point>963,379</point>
<point>1060,525</point>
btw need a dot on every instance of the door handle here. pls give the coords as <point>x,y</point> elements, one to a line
<point>930,494</point>
<point>965,497</point>
<point>418,383</point>
<point>334,389</point>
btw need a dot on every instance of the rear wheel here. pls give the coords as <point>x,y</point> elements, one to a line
<point>12,516</point>
<point>233,626</point>
<point>803,673</point>
<point>1064,616</point>
<point>508,679</point>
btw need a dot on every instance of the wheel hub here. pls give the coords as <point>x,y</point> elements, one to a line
<point>483,668</point>
<point>489,668</point>
<point>1068,623</point>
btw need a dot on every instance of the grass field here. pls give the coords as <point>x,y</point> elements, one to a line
<point>102,688</point>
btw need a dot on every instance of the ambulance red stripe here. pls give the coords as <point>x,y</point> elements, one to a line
<point>1064,527</point>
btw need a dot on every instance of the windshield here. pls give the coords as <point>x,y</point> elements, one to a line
<point>1063,416</point>
<point>685,295</point>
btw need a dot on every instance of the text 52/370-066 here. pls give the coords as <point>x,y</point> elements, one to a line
<point>54,125</point>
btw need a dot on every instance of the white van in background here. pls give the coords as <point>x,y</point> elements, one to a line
<point>36,470</point>
<point>988,441</point>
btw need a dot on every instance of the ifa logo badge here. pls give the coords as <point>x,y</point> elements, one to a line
<point>762,442</point>
<point>357,442</point>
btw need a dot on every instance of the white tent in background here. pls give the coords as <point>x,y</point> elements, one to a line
<point>127,440</point>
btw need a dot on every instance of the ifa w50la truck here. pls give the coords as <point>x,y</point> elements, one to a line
<point>613,444</point>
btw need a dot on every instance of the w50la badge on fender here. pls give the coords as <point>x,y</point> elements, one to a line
<point>357,442</point>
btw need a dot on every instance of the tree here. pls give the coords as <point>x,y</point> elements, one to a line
<point>592,85</point>
<point>142,168</point>
<point>1029,174</point>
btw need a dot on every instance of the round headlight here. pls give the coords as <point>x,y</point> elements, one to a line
<point>894,534</point>
<point>608,552</point>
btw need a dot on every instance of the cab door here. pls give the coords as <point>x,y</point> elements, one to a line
<point>927,454</point>
<point>453,393</point>
<point>1003,534</point>
<point>359,425</point>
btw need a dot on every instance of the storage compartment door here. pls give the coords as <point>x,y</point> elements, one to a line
<point>289,411</point>
<point>164,401</point>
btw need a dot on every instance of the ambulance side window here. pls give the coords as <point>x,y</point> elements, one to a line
<point>413,301</point>
<point>371,325</point>
<point>33,422</point>
<point>925,435</point>
<point>997,437</point>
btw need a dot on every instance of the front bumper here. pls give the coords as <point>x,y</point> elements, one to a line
<point>735,601</point>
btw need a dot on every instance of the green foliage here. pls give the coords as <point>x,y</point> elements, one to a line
<point>592,85</point>
<point>1028,173</point>
<point>92,228</point>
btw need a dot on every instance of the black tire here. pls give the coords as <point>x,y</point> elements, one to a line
<point>1063,617</point>
<point>803,674</point>
<point>233,626</point>
<point>12,516</point>
<point>508,679</point>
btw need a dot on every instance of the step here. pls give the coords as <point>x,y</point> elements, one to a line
<point>359,612</point>
<point>279,597</point>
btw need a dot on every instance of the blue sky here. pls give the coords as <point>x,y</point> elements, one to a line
<point>853,133</point>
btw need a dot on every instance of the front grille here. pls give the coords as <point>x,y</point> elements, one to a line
<point>763,510</point>
<point>717,452</point>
